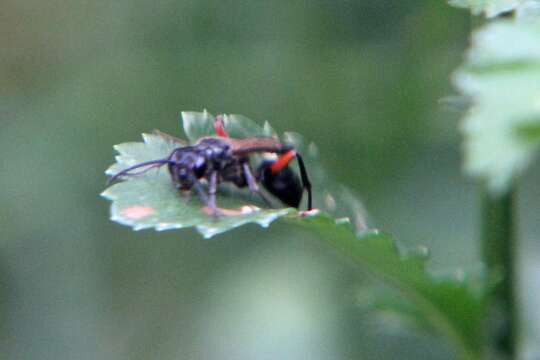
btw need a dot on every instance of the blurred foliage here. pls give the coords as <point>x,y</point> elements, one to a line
<point>148,200</point>
<point>490,8</point>
<point>449,306</point>
<point>502,77</point>
<point>360,79</point>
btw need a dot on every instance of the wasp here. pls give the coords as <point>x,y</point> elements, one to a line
<point>222,159</point>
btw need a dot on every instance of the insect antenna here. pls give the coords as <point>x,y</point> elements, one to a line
<point>126,172</point>
<point>305,180</point>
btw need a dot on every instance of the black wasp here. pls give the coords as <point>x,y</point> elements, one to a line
<point>221,158</point>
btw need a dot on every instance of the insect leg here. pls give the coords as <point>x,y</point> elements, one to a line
<point>174,175</point>
<point>200,191</point>
<point>212,190</point>
<point>305,180</point>
<point>252,183</point>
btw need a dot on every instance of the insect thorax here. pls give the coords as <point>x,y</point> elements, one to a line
<point>199,160</point>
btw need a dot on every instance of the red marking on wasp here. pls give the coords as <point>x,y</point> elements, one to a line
<point>220,127</point>
<point>138,212</point>
<point>282,161</point>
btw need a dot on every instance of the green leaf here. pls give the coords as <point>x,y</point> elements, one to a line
<point>454,306</point>
<point>239,126</point>
<point>490,8</point>
<point>501,75</point>
<point>150,200</point>
<point>386,302</point>
<point>197,125</point>
<point>200,124</point>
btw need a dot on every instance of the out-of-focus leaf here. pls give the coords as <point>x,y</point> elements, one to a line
<point>492,8</point>
<point>529,10</point>
<point>334,199</point>
<point>453,306</point>
<point>456,103</point>
<point>382,301</point>
<point>150,200</point>
<point>502,77</point>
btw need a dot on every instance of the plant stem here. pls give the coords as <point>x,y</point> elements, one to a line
<point>499,251</point>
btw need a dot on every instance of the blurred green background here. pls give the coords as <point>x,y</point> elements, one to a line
<point>360,79</point>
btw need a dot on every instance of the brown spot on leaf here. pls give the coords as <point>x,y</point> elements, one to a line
<point>137,212</point>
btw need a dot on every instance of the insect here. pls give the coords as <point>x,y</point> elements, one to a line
<point>218,159</point>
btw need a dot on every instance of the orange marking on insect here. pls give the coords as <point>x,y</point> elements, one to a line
<point>138,212</point>
<point>220,127</point>
<point>282,161</point>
